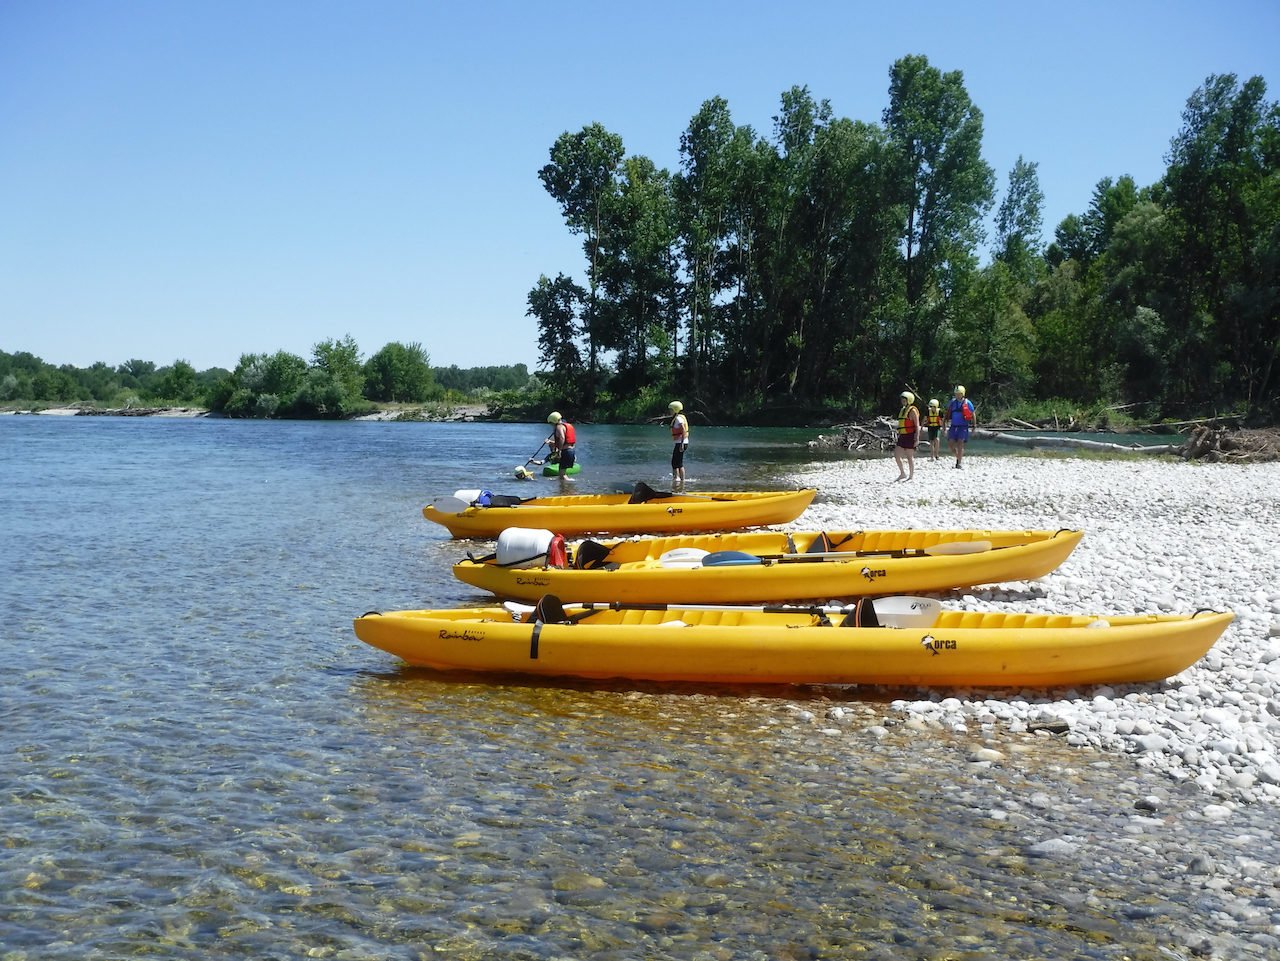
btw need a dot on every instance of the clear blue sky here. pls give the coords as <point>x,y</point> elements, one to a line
<point>196,179</point>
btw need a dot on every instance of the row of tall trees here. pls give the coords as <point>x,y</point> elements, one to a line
<point>336,382</point>
<point>836,261</point>
<point>25,377</point>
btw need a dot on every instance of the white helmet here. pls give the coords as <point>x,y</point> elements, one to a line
<point>675,407</point>
<point>554,417</point>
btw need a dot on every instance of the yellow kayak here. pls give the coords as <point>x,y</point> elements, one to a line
<point>770,565</point>
<point>663,512</point>
<point>799,645</point>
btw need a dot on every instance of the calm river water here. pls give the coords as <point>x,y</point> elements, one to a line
<point>199,760</point>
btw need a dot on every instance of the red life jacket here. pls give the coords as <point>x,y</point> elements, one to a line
<point>905,424</point>
<point>570,435</point>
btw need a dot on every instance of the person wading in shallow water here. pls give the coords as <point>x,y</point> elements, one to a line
<point>680,441</point>
<point>908,436</point>
<point>562,440</point>
<point>960,416</point>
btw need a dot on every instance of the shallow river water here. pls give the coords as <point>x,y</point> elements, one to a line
<point>199,760</point>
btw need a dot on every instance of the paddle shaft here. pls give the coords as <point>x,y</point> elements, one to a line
<point>750,609</point>
<point>947,549</point>
<point>730,558</point>
<point>535,454</point>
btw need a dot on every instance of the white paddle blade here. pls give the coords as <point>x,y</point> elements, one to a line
<point>683,557</point>
<point>959,547</point>
<point>511,607</point>
<point>906,611</point>
<point>448,504</point>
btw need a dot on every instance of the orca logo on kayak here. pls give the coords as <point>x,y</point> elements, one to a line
<point>462,635</point>
<point>871,575</point>
<point>673,511</point>
<point>933,644</point>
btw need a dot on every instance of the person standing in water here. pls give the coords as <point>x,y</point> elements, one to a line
<point>679,440</point>
<point>562,440</point>
<point>908,436</point>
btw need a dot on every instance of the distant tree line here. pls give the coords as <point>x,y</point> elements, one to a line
<point>837,261</point>
<point>336,382</point>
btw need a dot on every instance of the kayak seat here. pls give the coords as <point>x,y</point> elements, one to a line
<point>863,614</point>
<point>821,544</point>
<point>549,610</point>
<point>505,500</point>
<point>590,555</point>
<point>644,493</point>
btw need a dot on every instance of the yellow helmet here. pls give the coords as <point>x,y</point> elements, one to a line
<point>675,407</point>
<point>909,397</point>
<point>960,389</point>
<point>554,417</point>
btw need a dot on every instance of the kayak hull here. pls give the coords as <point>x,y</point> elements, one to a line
<point>611,513</point>
<point>878,563</point>
<point>744,646</point>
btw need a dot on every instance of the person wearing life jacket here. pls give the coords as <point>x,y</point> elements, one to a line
<point>561,441</point>
<point>679,440</point>
<point>933,421</point>
<point>908,437</point>
<point>960,416</point>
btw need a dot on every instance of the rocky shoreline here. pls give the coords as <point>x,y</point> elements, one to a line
<point>1159,537</point>
<point>1204,441</point>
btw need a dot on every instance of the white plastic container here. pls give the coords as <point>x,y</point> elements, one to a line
<point>523,547</point>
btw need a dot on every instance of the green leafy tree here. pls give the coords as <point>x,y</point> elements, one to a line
<point>50,383</point>
<point>555,305</point>
<point>399,373</point>
<point>637,276</point>
<point>341,360</point>
<point>701,194</point>
<point>944,186</point>
<point>1018,221</point>
<point>1222,190</point>
<point>135,373</point>
<point>176,383</point>
<point>994,342</point>
<point>582,177</point>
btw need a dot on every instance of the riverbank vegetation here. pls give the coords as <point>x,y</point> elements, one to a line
<point>337,382</point>
<point>836,261</point>
<point>807,276</point>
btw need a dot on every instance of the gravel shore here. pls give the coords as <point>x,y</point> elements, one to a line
<point>1160,536</point>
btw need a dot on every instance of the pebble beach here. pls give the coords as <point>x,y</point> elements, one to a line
<point>1160,536</point>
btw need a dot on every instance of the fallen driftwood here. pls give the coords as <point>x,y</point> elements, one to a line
<point>1225,444</point>
<point>1217,444</point>
<point>878,435</point>
<point>1072,442</point>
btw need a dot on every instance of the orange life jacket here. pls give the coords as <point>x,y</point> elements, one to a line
<point>570,435</point>
<point>679,429</point>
